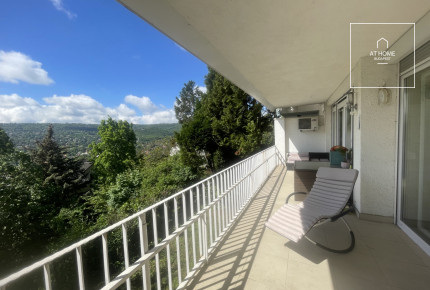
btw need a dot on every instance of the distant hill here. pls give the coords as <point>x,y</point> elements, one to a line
<point>77,137</point>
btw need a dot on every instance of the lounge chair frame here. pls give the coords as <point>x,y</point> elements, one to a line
<point>337,185</point>
<point>332,219</point>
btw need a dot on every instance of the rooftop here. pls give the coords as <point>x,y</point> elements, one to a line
<point>253,257</point>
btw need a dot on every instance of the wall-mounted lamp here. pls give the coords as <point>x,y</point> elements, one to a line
<point>384,96</point>
<point>350,102</point>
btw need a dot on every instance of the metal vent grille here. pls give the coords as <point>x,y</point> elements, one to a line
<point>300,114</point>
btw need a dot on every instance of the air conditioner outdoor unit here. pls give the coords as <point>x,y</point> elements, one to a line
<point>308,123</point>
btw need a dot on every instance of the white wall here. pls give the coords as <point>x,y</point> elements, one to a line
<point>279,128</point>
<point>374,147</point>
<point>378,143</point>
<point>305,141</point>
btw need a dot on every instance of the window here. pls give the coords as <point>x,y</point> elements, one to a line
<point>415,155</point>
<point>341,124</point>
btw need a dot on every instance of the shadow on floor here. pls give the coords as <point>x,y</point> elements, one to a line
<point>230,264</point>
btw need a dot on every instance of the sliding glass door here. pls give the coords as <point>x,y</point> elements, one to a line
<point>414,181</point>
<point>342,124</point>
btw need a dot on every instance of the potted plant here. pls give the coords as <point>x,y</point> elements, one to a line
<point>338,155</point>
<point>347,162</point>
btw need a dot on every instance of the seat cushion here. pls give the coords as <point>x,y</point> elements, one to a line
<point>327,198</point>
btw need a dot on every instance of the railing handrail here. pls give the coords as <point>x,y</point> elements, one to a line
<point>106,230</point>
<point>178,231</point>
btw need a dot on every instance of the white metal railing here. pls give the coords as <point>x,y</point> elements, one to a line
<point>205,211</point>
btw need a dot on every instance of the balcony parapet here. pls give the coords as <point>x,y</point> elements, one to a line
<point>192,221</point>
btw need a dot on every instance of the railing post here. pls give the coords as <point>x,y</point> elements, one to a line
<point>80,268</point>
<point>184,212</point>
<point>218,188</point>
<point>205,236</point>
<point>126,258</point>
<point>199,226</point>
<point>193,234</point>
<point>223,200</point>
<point>143,232</point>
<point>47,275</point>
<point>252,177</point>
<point>205,225</point>
<point>214,211</point>
<point>105,258</point>
<point>178,246</point>
<point>208,194</point>
<point>166,228</point>
<point>157,256</point>
<point>231,193</point>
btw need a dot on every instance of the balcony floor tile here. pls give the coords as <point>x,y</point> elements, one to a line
<point>253,257</point>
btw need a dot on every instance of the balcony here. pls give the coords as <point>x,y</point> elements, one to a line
<point>162,246</point>
<point>212,236</point>
<point>253,257</point>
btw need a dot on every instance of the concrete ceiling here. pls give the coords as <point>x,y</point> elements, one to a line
<point>282,52</point>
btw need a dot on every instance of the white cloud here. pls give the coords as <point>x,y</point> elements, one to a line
<point>202,89</point>
<point>123,110</point>
<point>11,101</point>
<point>166,116</point>
<point>144,104</point>
<point>58,4</point>
<point>75,109</point>
<point>16,67</point>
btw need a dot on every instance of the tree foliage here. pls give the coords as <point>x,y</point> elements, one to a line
<point>155,177</point>
<point>65,173</point>
<point>44,204</point>
<point>33,191</point>
<point>37,218</point>
<point>6,145</point>
<point>23,219</point>
<point>186,103</point>
<point>227,124</point>
<point>116,150</point>
<point>196,142</point>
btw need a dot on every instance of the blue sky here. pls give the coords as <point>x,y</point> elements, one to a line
<point>80,60</point>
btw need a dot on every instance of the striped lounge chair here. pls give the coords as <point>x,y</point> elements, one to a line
<point>326,201</point>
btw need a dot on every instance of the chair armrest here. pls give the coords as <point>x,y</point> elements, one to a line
<point>295,193</point>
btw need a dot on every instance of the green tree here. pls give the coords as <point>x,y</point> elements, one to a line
<point>227,124</point>
<point>33,191</point>
<point>6,145</point>
<point>116,150</point>
<point>25,211</point>
<point>164,177</point>
<point>155,178</point>
<point>196,142</point>
<point>239,122</point>
<point>186,103</point>
<point>59,170</point>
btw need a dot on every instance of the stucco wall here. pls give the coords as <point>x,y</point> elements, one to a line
<point>374,147</point>
<point>279,128</point>
<point>289,139</point>
<point>305,141</point>
<point>378,144</point>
